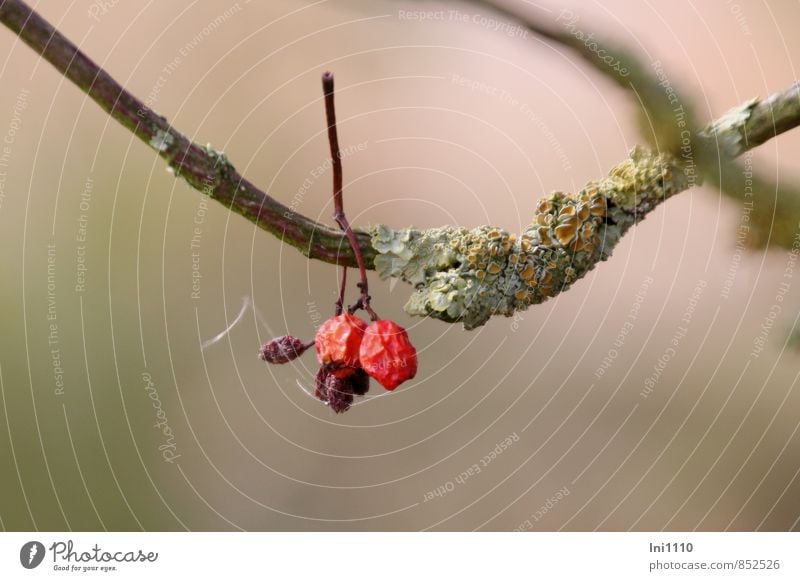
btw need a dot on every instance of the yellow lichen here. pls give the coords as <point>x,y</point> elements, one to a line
<point>470,275</point>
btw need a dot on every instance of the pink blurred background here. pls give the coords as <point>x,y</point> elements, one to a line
<point>451,122</point>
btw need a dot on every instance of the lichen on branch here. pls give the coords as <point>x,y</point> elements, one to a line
<point>460,274</point>
<point>756,121</point>
<point>466,276</point>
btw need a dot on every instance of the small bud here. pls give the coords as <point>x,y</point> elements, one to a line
<point>282,350</point>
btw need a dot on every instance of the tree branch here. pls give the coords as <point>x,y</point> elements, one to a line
<point>203,168</point>
<point>459,274</point>
<point>664,114</point>
<point>757,121</point>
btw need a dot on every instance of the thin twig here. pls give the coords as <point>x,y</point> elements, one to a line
<point>204,169</point>
<point>752,124</point>
<point>333,139</point>
<point>338,202</point>
<point>339,304</point>
<point>336,158</point>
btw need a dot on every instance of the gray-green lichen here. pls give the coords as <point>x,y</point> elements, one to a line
<point>729,129</point>
<point>463,275</point>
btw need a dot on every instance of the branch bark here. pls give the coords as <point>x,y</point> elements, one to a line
<point>460,275</point>
<point>203,168</point>
<point>757,121</point>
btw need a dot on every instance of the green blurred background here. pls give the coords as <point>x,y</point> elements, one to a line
<point>458,124</point>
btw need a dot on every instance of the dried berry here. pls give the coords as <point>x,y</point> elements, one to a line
<point>341,371</point>
<point>334,391</point>
<point>282,350</point>
<point>359,381</point>
<point>338,340</point>
<point>387,354</point>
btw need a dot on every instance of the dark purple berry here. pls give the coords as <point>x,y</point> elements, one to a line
<point>360,382</point>
<point>283,349</point>
<point>334,391</point>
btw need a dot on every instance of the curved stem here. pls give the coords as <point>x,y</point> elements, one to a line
<point>339,304</point>
<point>338,201</point>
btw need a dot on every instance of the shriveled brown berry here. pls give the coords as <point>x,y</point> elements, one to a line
<point>341,371</point>
<point>359,381</point>
<point>282,350</point>
<point>387,354</point>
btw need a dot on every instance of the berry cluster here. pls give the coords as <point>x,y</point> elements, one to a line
<point>349,351</point>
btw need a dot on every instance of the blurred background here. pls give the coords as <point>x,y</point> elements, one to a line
<point>660,392</point>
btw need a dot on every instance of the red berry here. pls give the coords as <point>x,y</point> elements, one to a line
<point>387,354</point>
<point>338,340</point>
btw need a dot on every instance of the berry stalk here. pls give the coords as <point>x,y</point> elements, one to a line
<point>338,205</point>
